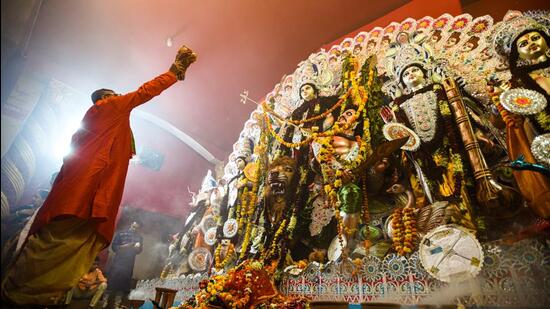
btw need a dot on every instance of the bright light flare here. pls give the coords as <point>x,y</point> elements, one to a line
<point>62,144</point>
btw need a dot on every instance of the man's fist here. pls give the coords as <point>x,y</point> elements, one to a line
<point>186,55</point>
<point>184,58</point>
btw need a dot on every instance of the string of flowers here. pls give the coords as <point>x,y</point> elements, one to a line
<point>366,217</point>
<point>333,181</point>
<point>221,264</point>
<point>248,217</point>
<point>239,204</point>
<point>404,230</point>
<point>307,120</point>
<point>242,208</point>
<point>248,211</point>
<point>363,152</point>
<point>335,130</point>
<point>272,250</point>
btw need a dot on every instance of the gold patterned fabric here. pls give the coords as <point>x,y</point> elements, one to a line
<point>52,262</point>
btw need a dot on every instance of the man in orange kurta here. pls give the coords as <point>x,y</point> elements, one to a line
<point>77,220</point>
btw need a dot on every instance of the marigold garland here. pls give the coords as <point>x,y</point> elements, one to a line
<point>335,130</point>
<point>247,210</point>
<point>272,250</point>
<point>242,208</point>
<point>333,179</point>
<point>404,230</point>
<point>241,287</point>
<point>307,120</point>
<point>221,264</point>
<point>366,217</point>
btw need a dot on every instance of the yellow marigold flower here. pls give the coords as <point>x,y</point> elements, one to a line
<point>256,265</point>
<point>292,223</point>
<point>438,159</point>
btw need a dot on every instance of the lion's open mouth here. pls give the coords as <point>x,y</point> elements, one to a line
<point>277,184</point>
<point>277,188</point>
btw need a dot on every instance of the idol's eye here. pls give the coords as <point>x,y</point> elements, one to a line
<point>522,43</point>
<point>535,37</point>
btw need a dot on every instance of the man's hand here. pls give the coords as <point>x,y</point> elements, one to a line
<point>186,55</point>
<point>184,58</point>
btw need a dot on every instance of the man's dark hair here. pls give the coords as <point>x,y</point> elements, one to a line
<point>98,94</point>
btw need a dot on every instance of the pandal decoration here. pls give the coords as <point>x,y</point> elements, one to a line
<point>460,46</point>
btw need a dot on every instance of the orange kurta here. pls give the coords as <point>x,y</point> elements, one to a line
<point>91,181</point>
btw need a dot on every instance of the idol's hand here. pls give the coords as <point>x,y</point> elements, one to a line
<point>347,176</point>
<point>387,114</point>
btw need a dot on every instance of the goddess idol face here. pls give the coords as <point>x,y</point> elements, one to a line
<point>413,77</point>
<point>307,92</point>
<point>531,46</point>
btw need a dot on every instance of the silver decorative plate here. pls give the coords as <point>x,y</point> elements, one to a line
<point>541,149</point>
<point>523,101</point>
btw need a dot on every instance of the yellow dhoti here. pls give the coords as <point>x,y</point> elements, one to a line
<point>52,262</point>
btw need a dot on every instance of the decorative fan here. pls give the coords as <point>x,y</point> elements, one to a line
<point>207,222</point>
<point>230,228</point>
<point>394,130</point>
<point>210,236</point>
<point>199,258</point>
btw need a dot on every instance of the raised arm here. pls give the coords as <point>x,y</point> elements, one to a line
<point>154,87</point>
<point>146,92</point>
